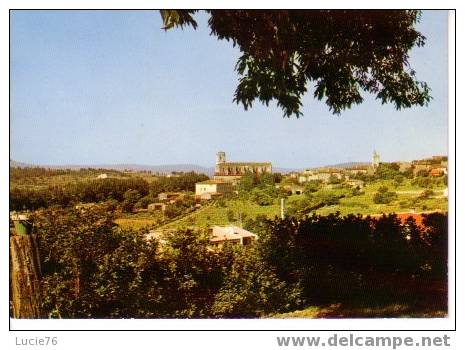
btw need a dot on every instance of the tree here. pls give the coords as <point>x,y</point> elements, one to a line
<point>230,215</point>
<point>426,194</point>
<point>356,191</point>
<point>192,274</point>
<point>250,288</point>
<point>340,52</point>
<point>398,180</point>
<point>333,179</point>
<point>278,177</point>
<point>93,269</point>
<point>261,197</point>
<point>247,183</point>
<point>384,196</point>
<point>130,199</point>
<point>312,186</point>
<point>182,182</point>
<point>387,171</point>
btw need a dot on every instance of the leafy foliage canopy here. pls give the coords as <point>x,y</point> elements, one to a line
<point>335,54</point>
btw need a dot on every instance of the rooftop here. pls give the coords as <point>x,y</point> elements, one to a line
<point>230,232</point>
<point>212,182</point>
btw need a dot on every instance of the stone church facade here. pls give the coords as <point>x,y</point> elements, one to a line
<point>233,171</point>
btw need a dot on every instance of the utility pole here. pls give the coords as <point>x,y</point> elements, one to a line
<point>282,208</point>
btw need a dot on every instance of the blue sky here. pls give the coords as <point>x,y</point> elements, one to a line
<point>93,87</point>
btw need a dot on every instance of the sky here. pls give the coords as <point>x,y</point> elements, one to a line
<point>112,87</point>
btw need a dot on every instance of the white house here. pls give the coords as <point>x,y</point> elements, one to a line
<point>212,187</point>
<point>231,234</point>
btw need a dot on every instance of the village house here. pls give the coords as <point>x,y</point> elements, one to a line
<point>170,197</point>
<point>207,189</point>
<point>355,183</point>
<point>293,189</point>
<point>359,169</point>
<point>233,234</point>
<point>208,196</point>
<point>420,167</point>
<point>439,171</point>
<point>218,235</point>
<point>304,178</point>
<point>434,166</point>
<point>293,175</point>
<point>156,206</point>
<point>404,166</point>
<point>321,174</point>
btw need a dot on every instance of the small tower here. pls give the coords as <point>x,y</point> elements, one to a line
<point>375,160</point>
<point>220,159</point>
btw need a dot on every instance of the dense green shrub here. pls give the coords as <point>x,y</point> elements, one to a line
<point>337,259</point>
<point>384,196</point>
<point>426,194</point>
<point>180,182</point>
<point>312,186</point>
<point>93,269</point>
<point>91,191</point>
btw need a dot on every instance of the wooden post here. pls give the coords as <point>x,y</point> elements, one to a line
<point>25,276</point>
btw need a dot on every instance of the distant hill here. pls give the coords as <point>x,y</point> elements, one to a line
<point>121,167</point>
<point>347,165</point>
<point>285,170</point>
<point>169,168</point>
<point>137,167</point>
<point>15,164</point>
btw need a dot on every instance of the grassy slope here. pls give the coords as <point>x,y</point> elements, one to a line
<point>363,204</point>
<point>216,215</point>
<point>341,311</point>
<point>212,214</point>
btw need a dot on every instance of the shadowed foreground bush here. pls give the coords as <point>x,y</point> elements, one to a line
<point>93,269</point>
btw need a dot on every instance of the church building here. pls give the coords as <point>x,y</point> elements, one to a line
<point>233,171</point>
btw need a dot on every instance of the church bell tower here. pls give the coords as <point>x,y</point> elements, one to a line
<point>375,160</point>
<point>220,159</point>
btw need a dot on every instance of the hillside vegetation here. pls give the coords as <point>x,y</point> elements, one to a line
<point>332,255</point>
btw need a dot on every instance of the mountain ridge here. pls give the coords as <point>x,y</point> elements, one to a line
<point>168,168</point>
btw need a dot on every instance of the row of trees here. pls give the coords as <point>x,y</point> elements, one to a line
<point>35,175</point>
<point>180,182</point>
<point>130,192</point>
<point>92,268</point>
<point>80,192</point>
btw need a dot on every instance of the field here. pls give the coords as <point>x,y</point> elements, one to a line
<point>237,210</point>
<point>406,193</point>
<point>216,213</point>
